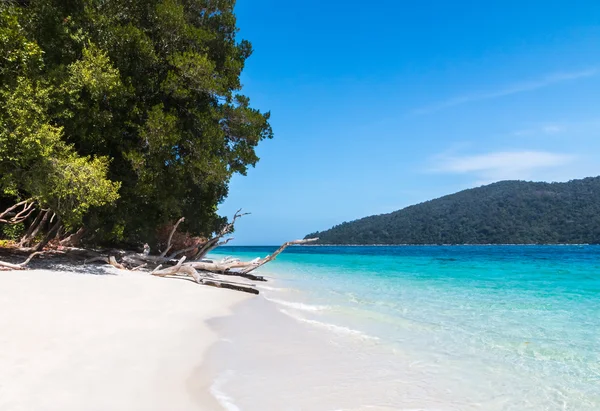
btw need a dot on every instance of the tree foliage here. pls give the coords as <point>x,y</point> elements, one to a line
<point>125,114</point>
<point>508,212</point>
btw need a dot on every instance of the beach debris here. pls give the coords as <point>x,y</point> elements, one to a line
<point>47,229</point>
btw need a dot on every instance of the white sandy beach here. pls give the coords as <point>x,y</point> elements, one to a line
<point>127,341</point>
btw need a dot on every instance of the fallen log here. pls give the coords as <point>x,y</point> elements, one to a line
<point>231,286</point>
<point>74,239</point>
<point>271,257</point>
<point>23,265</point>
<point>243,268</point>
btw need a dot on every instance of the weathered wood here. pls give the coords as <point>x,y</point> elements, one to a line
<point>214,242</point>
<point>112,261</point>
<point>164,253</point>
<point>32,227</point>
<point>245,275</point>
<point>138,259</point>
<point>106,259</point>
<point>12,266</point>
<point>236,287</point>
<point>74,239</point>
<point>39,246</point>
<point>182,251</point>
<point>23,265</point>
<point>41,224</point>
<point>271,257</point>
<point>169,270</point>
<point>10,216</point>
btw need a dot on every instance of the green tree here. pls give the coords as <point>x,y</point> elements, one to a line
<point>35,161</point>
<point>140,96</point>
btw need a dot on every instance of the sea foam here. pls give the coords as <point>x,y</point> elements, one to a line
<point>331,327</point>
<point>216,390</point>
<point>298,306</point>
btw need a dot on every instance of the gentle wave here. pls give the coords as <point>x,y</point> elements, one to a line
<point>269,288</point>
<point>298,306</point>
<point>223,399</point>
<point>379,408</point>
<point>332,327</point>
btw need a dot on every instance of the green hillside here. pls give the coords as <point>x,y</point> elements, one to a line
<point>507,212</point>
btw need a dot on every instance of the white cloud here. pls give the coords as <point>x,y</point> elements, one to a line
<point>510,89</point>
<point>552,129</point>
<point>544,129</point>
<point>503,165</point>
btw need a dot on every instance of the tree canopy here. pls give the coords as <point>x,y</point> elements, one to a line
<point>123,115</point>
<point>507,212</point>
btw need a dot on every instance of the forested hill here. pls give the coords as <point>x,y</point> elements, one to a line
<point>507,212</point>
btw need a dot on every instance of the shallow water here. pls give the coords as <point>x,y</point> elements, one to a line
<point>416,328</point>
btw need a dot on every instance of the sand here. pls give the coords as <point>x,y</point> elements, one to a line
<point>117,341</point>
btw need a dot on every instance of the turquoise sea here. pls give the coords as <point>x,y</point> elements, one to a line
<point>416,328</point>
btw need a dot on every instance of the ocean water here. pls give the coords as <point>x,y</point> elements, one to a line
<point>415,328</point>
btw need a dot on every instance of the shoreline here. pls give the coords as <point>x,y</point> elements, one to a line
<point>423,245</point>
<point>108,339</point>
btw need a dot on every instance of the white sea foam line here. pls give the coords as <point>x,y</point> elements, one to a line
<point>331,327</point>
<point>223,399</point>
<point>298,306</point>
<point>379,408</point>
<point>269,288</point>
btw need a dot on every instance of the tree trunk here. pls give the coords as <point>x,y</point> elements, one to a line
<point>74,239</point>
<point>11,216</point>
<point>48,236</point>
<point>39,223</point>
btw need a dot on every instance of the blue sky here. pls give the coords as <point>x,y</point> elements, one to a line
<point>377,106</point>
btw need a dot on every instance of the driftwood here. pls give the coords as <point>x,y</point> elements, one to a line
<point>241,268</point>
<point>53,229</point>
<point>108,260</point>
<point>74,239</point>
<point>232,286</point>
<point>216,240</point>
<point>200,270</point>
<point>39,223</point>
<point>23,265</point>
<point>202,278</point>
<point>12,215</point>
<point>164,253</point>
<point>271,257</point>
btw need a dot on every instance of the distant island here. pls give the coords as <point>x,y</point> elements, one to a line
<point>506,212</point>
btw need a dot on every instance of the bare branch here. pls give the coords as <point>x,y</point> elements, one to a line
<point>23,265</point>
<point>181,220</point>
<point>33,229</point>
<point>214,241</point>
<point>182,251</point>
<point>40,246</point>
<point>276,253</point>
<point>10,216</point>
<point>224,242</point>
